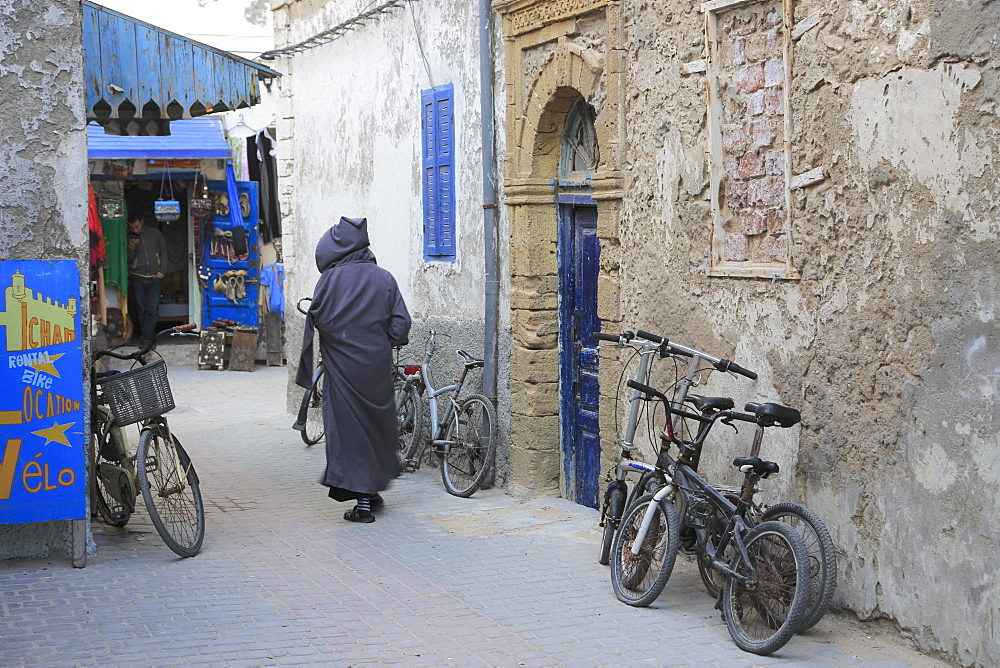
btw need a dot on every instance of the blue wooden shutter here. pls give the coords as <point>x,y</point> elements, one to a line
<point>438,168</point>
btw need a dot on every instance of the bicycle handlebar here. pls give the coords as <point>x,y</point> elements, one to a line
<point>139,354</point>
<point>678,349</point>
<point>601,336</point>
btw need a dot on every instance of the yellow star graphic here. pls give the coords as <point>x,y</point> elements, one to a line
<point>47,367</point>
<point>57,433</point>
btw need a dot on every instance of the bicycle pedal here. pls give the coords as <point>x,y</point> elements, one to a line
<point>409,466</point>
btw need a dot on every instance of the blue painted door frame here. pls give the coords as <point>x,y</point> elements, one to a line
<point>579,267</point>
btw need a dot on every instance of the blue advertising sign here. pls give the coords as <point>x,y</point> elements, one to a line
<point>42,444</point>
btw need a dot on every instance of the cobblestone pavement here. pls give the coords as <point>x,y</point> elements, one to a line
<point>437,580</point>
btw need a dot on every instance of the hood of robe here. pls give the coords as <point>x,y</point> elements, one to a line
<point>348,236</point>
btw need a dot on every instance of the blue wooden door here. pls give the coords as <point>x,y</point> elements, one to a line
<point>579,260</point>
<point>231,286</point>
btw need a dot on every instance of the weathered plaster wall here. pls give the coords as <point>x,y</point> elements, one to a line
<point>888,343</point>
<point>43,177</point>
<point>350,124</point>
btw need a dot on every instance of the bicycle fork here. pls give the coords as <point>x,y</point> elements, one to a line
<point>647,518</point>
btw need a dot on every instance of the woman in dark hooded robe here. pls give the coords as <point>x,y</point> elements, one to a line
<point>360,315</point>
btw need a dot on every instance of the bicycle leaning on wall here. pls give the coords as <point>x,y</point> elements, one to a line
<point>463,435</point>
<point>159,468</point>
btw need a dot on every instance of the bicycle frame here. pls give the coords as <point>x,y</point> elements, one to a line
<point>438,424</point>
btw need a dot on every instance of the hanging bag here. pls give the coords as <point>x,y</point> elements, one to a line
<point>111,206</point>
<point>167,210</point>
<point>202,204</point>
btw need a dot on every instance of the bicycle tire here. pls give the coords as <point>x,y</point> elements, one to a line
<point>173,500</point>
<point>638,579</point>
<point>105,472</point>
<point>764,615</point>
<point>822,557</point>
<point>472,433</point>
<point>311,413</point>
<point>410,421</point>
<point>612,518</point>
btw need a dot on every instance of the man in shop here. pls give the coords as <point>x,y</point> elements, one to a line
<point>146,255</point>
<point>360,315</point>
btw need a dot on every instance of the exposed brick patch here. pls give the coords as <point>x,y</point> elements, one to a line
<point>737,248</point>
<point>774,162</point>
<point>751,77</point>
<point>774,72</point>
<point>752,222</point>
<point>750,165</point>
<point>733,53</point>
<point>750,81</point>
<point>775,101</point>
<point>762,132</point>
<point>777,220</point>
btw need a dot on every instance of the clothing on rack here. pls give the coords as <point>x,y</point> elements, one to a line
<point>116,260</point>
<point>273,277</point>
<point>263,169</point>
<point>97,249</point>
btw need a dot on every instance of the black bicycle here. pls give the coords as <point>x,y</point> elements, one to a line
<point>765,566</point>
<point>309,420</point>
<point>159,468</point>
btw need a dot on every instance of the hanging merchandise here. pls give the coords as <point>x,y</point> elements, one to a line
<point>204,203</point>
<point>167,210</point>
<point>111,206</point>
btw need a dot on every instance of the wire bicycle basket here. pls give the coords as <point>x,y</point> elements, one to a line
<point>138,394</point>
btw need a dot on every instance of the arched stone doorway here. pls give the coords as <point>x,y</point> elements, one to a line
<point>556,56</point>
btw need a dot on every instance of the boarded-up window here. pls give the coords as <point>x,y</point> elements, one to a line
<point>748,129</point>
<point>438,164</point>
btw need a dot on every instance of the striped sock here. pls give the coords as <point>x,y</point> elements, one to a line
<point>364,504</point>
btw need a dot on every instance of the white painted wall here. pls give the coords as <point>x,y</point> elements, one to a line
<point>352,114</point>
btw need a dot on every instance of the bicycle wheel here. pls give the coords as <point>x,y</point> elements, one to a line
<point>114,494</point>
<point>639,578</point>
<point>311,412</point>
<point>614,506</point>
<point>472,446</point>
<point>169,487</point>
<point>822,558</point>
<point>410,420</point>
<point>764,613</point>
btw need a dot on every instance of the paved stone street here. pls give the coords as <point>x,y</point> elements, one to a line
<point>437,580</point>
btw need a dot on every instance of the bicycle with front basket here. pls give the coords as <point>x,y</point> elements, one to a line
<point>159,468</point>
<point>463,436</point>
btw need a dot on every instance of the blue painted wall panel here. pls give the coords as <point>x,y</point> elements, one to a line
<point>42,430</point>
<point>150,64</point>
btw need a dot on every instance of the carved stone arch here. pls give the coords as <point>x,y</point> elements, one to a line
<point>555,54</point>
<point>569,73</point>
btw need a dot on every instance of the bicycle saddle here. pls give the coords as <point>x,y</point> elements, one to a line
<point>710,404</point>
<point>470,361</point>
<point>761,467</point>
<point>769,415</point>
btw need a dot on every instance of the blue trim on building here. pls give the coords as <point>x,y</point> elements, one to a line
<point>438,150</point>
<point>136,70</point>
<point>190,138</point>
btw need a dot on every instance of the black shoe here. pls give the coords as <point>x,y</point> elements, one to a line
<point>376,501</point>
<point>355,514</point>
